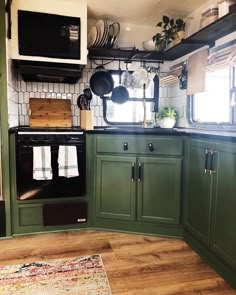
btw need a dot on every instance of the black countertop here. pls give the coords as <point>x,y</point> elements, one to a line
<point>203,133</point>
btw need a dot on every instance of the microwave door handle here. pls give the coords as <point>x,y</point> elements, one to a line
<point>70,32</point>
<point>73,33</point>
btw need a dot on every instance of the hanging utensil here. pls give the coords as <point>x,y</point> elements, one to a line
<point>82,102</point>
<point>89,96</point>
<point>144,107</point>
<point>101,82</point>
<point>120,94</point>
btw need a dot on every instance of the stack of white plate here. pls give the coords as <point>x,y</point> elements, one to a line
<point>103,34</point>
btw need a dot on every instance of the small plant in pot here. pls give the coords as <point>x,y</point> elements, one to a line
<point>170,29</point>
<point>166,117</point>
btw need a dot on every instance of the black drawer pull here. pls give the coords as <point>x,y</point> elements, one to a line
<point>206,162</point>
<point>125,146</point>
<point>151,147</point>
<point>133,168</point>
<point>211,162</point>
<point>139,172</point>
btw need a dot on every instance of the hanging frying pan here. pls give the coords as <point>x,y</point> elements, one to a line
<point>120,94</point>
<point>101,82</point>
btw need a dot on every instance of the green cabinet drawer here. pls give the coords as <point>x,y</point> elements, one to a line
<point>31,215</point>
<point>149,145</point>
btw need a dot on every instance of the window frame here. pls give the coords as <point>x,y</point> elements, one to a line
<point>154,99</point>
<point>215,125</point>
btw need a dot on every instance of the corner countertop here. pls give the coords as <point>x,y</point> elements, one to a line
<point>210,134</point>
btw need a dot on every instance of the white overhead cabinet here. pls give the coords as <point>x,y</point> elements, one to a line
<point>49,31</point>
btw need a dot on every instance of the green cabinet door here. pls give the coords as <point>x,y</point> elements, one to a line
<point>198,192</point>
<point>115,188</point>
<point>223,240</point>
<point>159,189</point>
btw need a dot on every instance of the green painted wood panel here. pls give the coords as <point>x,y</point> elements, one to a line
<point>162,145</point>
<point>198,192</point>
<point>31,215</point>
<point>223,238</point>
<point>115,191</point>
<point>4,120</point>
<point>159,190</point>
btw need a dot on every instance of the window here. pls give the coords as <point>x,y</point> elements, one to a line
<point>131,112</point>
<point>215,106</point>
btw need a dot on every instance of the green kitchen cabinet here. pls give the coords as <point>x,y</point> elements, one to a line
<point>210,203</point>
<point>159,189</point>
<point>115,187</point>
<point>223,235</point>
<point>198,191</point>
<point>138,179</point>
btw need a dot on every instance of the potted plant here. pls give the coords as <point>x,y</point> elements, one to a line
<point>170,31</point>
<point>166,117</point>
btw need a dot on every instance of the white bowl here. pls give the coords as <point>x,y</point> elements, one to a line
<point>149,45</point>
<point>167,123</point>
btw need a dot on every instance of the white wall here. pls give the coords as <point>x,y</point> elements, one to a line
<point>131,34</point>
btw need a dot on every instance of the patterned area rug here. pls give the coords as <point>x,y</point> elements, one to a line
<point>70,276</point>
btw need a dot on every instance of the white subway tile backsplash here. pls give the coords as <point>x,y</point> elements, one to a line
<point>56,87</point>
<point>34,87</point>
<point>77,87</point>
<point>22,86</point>
<point>22,120</point>
<point>61,88</point>
<point>67,88</point>
<point>29,86</point>
<point>81,88</point>
<point>74,99</point>
<point>75,121</point>
<point>50,87</point>
<point>45,87</point>
<point>69,96</point>
<point>26,97</point>
<point>76,111</point>
<point>63,96</point>
<point>72,88</point>
<point>21,97</point>
<point>24,109</point>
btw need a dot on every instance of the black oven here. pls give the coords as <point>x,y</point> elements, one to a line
<point>48,35</point>
<point>58,186</point>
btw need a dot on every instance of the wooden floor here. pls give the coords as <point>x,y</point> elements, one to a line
<point>135,264</point>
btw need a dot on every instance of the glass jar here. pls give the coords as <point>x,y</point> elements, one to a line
<point>209,15</point>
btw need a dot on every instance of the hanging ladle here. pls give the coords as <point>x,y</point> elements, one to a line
<point>120,94</point>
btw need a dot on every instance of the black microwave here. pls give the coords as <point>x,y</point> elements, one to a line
<point>48,35</point>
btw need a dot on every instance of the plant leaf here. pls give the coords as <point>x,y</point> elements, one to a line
<point>159,24</point>
<point>166,19</point>
<point>180,24</point>
<point>172,22</point>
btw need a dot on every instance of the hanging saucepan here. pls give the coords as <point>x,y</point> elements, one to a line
<point>120,94</point>
<point>101,82</point>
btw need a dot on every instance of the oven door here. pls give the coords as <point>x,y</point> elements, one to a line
<point>58,187</point>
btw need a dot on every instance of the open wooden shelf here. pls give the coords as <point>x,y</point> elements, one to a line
<point>206,36</point>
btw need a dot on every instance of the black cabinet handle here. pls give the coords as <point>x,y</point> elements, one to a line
<point>132,173</point>
<point>206,161</point>
<point>125,146</point>
<point>151,147</point>
<point>212,161</point>
<point>139,172</point>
